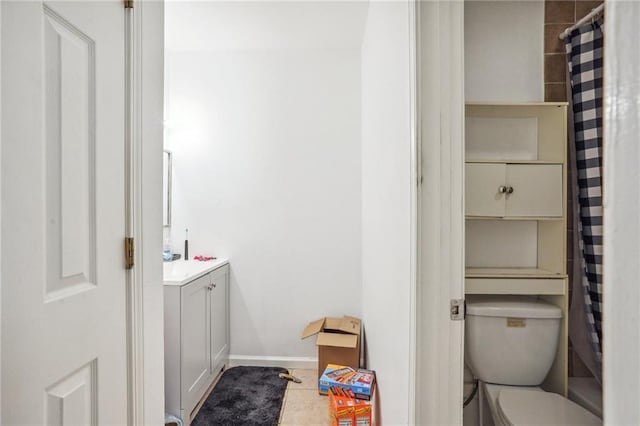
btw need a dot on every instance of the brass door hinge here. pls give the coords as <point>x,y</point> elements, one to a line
<point>129,253</point>
<point>128,4</point>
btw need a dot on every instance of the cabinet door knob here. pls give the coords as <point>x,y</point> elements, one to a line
<point>210,287</point>
<point>214,285</point>
<point>502,189</point>
<point>510,190</point>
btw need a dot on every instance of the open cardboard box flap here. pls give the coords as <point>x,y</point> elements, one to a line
<point>345,324</point>
<point>337,340</point>
<point>350,325</point>
<point>313,328</point>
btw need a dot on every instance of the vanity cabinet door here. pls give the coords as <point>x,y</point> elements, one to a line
<point>537,190</point>
<point>484,189</point>
<point>196,341</point>
<point>219,319</point>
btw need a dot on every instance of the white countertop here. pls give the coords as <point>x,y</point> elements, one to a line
<point>180,272</point>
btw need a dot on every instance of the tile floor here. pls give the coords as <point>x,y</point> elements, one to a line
<point>302,404</point>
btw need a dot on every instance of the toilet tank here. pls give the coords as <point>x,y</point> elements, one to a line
<point>510,341</point>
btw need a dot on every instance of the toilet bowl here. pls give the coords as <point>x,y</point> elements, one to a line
<point>520,406</point>
<point>510,345</point>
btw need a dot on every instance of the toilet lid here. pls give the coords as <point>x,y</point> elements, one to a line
<point>521,407</point>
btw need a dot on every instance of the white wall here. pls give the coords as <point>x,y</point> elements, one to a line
<point>504,50</point>
<point>386,204</point>
<point>264,25</point>
<point>266,155</point>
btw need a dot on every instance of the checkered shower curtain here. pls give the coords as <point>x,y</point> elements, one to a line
<point>585,60</point>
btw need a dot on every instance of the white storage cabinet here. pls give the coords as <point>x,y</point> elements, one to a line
<point>196,326</point>
<point>515,206</point>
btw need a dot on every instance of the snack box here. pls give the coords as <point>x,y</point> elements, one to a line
<point>361,382</point>
<point>345,410</point>
<point>341,409</point>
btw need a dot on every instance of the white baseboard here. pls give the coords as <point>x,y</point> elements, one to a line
<point>289,362</point>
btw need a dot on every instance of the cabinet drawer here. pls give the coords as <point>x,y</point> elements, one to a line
<point>539,286</point>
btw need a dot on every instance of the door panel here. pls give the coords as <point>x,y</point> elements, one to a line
<point>69,87</point>
<point>196,340</point>
<point>537,190</point>
<point>219,318</point>
<point>72,400</point>
<point>63,213</point>
<point>482,183</point>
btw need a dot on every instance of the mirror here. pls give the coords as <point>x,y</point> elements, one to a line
<point>166,188</point>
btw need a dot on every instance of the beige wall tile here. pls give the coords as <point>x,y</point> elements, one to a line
<point>555,68</point>
<point>583,7</point>
<point>555,92</point>
<point>559,11</point>
<point>552,44</point>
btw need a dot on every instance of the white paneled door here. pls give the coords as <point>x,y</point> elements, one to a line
<point>64,359</point>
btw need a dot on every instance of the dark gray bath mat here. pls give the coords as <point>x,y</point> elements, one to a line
<point>244,396</point>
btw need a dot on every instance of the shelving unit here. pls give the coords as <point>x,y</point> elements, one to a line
<point>516,208</point>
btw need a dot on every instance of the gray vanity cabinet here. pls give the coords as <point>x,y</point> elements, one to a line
<point>196,339</point>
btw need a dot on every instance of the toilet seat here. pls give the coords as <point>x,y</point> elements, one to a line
<point>518,407</point>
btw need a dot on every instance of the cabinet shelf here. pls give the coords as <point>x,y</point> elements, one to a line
<point>526,133</point>
<point>511,273</point>
<point>516,286</point>
<point>507,161</point>
<point>536,218</point>
<point>516,104</point>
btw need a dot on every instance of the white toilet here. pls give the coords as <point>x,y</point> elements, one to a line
<point>510,346</point>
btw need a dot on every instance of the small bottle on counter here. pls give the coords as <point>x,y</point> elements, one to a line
<point>167,251</point>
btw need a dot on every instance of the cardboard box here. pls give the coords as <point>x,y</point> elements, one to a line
<point>338,341</point>
<point>358,383</point>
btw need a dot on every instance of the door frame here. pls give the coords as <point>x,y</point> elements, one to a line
<point>144,111</point>
<point>621,154</point>
<point>439,355</point>
<point>135,340</point>
<point>0,212</point>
